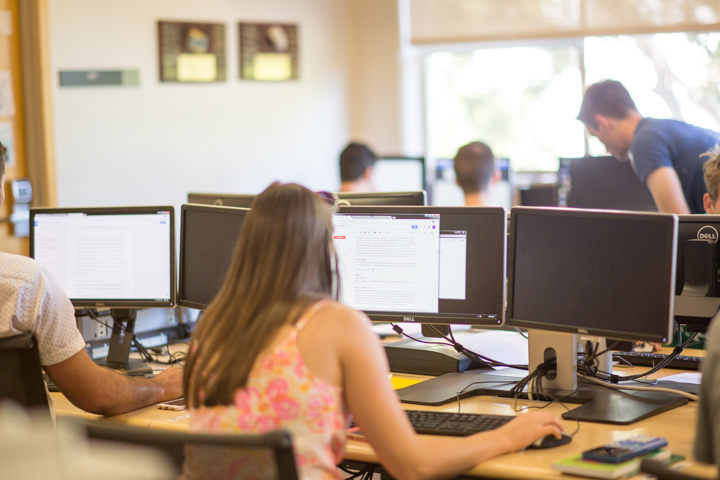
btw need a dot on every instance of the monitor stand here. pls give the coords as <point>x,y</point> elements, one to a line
<point>598,404</point>
<point>120,342</point>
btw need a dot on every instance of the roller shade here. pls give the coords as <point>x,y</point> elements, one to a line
<point>453,21</point>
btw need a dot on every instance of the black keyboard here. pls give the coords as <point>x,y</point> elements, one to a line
<point>50,385</point>
<point>640,359</point>
<point>454,424</point>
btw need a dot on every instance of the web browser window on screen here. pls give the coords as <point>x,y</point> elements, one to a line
<point>398,262</point>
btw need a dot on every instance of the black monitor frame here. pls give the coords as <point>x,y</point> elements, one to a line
<point>115,303</point>
<point>696,312</point>
<point>603,183</point>
<point>513,321</point>
<point>183,302</point>
<point>237,200</point>
<point>418,198</point>
<point>498,213</point>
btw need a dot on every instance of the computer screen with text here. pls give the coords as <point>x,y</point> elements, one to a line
<point>108,255</point>
<point>423,264</point>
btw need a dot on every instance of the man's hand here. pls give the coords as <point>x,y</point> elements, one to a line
<point>171,381</point>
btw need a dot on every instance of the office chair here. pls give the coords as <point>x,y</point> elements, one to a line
<point>663,471</point>
<point>173,443</point>
<point>21,374</point>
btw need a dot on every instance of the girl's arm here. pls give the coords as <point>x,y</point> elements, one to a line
<point>402,452</point>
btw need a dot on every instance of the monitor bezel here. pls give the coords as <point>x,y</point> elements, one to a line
<point>181,264</point>
<point>589,213</point>
<point>249,198</point>
<point>439,320</point>
<point>139,210</point>
<point>243,197</point>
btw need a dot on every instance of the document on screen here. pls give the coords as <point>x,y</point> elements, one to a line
<point>388,263</point>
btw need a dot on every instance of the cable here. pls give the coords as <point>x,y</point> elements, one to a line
<point>450,342</point>
<point>642,389</point>
<point>146,357</point>
<point>498,382</point>
<point>522,334</point>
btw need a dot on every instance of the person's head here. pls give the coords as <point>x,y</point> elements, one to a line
<point>281,265</point>
<point>610,114</point>
<point>475,168</point>
<point>3,152</point>
<point>356,163</point>
<point>711,172</point>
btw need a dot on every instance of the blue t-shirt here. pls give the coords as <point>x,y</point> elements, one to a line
<point>670,143</point>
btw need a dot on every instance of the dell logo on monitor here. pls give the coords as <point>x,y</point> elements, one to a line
<point>408,319</point>
<point>708,233</point>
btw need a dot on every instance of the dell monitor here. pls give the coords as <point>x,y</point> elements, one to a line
<point>117,257</point>
<point>346,198</point>
<point>603,182</point>
<point>399,174</point>
<point>433,265</point>
<point>697,291</point>
<point>208,238</point>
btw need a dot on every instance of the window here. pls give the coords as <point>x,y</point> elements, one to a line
<point>523,100</point>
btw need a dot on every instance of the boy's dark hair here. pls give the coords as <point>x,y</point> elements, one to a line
<point>3,151</point>
<point>355,160</point>
<point>474,167</point>
<point>608,98</point>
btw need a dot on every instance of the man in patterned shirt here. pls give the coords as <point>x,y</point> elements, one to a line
<point>31,300</point>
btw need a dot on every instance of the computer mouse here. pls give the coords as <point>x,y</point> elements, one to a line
<point>550,441</point>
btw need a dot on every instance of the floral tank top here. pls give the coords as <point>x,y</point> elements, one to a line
<point>281,393</point>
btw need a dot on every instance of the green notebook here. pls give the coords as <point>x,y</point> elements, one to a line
<point>577,466</point>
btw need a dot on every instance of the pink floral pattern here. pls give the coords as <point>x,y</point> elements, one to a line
<point>281,393</point>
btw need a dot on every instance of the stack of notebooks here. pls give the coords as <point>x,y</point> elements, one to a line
<point>617,459</point>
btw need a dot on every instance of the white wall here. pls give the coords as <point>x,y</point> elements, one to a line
<point>154,143</point>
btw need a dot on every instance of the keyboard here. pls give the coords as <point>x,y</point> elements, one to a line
<point>454,424</point>
<point>641,359</point>
<point>50,385</point>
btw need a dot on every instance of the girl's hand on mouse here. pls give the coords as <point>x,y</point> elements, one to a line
<point>528,427</point>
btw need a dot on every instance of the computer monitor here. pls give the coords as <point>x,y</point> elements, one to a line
<point>221,199</point>
<point>579,273</point>
<point>208,238</point>
<point>607,274</point>
<point>436,265</point>
<point>446,192</point>
<point>399,174</point>
<point>117,257</point>
<point>539,195</point>
<point>603,182</point>
<point>346,198</point>
<point>697,297</point>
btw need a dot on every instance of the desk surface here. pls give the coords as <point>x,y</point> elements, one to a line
<point>677,425</point>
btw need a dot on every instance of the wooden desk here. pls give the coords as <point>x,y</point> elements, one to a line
<point>677,425</point>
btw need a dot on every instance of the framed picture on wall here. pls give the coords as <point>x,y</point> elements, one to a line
<point>268,52</point>
<point>192,52</point>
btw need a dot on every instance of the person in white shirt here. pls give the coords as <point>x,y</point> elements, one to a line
<point>31,300</point>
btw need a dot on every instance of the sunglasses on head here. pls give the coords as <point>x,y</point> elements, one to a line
<point>329,198</point>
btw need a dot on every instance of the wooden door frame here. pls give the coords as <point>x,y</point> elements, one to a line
<point>33,27</point>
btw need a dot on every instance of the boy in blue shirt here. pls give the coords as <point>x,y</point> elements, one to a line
<point>665,154</point>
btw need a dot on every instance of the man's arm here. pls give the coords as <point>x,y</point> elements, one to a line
<point>100,390</point>
<point>666,190</point>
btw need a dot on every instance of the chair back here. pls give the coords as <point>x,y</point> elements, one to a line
<point>173,443</point>
<point>21,373</point>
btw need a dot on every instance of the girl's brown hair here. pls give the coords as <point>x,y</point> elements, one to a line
<point>711,172</point>
<point>281,266</point>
